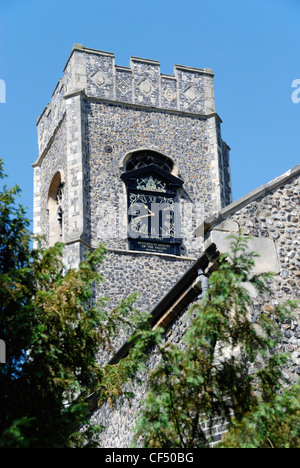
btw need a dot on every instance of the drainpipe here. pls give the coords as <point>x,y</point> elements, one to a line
<point>204,283</point>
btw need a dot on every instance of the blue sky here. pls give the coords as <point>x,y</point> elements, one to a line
<point>253,46</point>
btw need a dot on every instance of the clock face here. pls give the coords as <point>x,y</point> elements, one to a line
<point>151,217</point>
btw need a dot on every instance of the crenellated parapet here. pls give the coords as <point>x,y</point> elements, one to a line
<point>95,74</point>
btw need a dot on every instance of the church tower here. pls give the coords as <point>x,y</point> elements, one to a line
<point>133,159</point>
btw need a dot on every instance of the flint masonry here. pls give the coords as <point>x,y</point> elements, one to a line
<point>134,159</point>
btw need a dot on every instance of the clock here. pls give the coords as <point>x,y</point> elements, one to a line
<point>151,217</point>
<point>153,212</point>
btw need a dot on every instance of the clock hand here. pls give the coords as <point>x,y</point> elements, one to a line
<point>149,210</point>
<point>144,216</point>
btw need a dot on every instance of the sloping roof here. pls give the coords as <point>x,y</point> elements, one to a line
<point>169,307</point>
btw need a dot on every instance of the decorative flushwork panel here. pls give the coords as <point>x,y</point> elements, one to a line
<point>94,72</point>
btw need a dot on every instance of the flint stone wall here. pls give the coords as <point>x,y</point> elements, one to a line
<point>271,219</point>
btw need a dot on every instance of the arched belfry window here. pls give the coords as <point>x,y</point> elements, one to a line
<point>55,209</point>
<point>146,158</point>
<point>152,199</point>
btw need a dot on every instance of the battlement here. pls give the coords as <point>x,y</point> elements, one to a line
<point>94,73</point>
<point>188,89</point>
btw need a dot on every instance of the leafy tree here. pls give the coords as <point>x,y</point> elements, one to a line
<point>54,333</point>
<point>225,371</point>
<point>272,424</point>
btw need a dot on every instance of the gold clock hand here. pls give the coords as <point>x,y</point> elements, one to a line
<point>144,216</point>
<point>149,210</point>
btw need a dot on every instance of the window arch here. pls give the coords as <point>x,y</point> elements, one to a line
<point>145,158</point>
<point>55,209</point>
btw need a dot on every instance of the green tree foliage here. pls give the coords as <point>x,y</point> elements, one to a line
<point>53,332</point>
<point>226,371</point>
